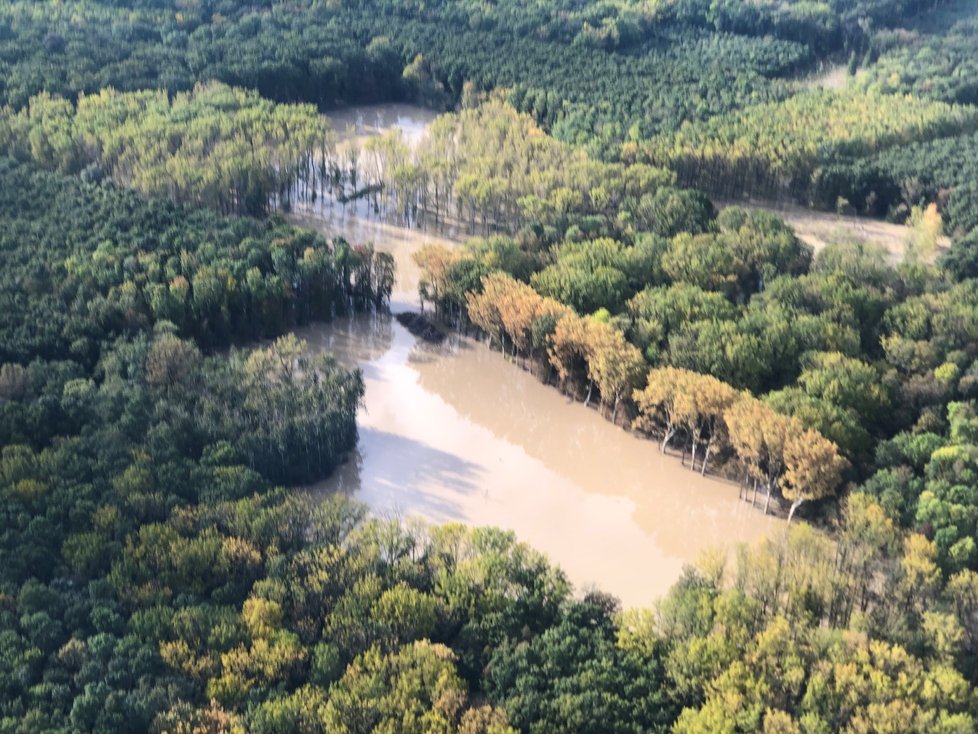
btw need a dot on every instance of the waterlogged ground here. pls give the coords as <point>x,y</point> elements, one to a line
<point>369,120</point>
<point>458,433</point>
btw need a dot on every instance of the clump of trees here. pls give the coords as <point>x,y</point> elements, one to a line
<point>773,449</point>
<point>215,146</point>
<point>894,182</point>
<point>492,169</point>
<point>587,353</point>
<point>842,351</point>
<point>101,262</point>
<point>804,622</point>
<point>333,54</point>
<point>286,54</point>
<point>933,56</point>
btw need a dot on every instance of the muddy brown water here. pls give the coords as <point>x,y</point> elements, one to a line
<point>457,433</point>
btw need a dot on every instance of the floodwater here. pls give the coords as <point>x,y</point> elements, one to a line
<point>366,121</point>
<point>355,221</point>
<point>459,433</point>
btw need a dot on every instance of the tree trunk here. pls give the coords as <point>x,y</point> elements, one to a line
<point>706,458</point>
<point>767,502</point>
<point>692,455</point>
<point>670,432</point>
<point>794,506</point>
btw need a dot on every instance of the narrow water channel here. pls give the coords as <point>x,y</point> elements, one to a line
<point>458,433</point>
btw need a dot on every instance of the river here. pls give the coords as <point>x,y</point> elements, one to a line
<point>458,433</point>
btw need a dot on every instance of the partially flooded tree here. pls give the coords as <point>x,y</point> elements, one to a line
<point>484,308</point>
<point>757,435</point>
<point>781,455</point>
<point>813,468</point>
<point>678,400</point>
<point>661,403</point>
<point>706,401</point>
<point>568,348</point>
<point>434,262</point>
<point>614,365</point>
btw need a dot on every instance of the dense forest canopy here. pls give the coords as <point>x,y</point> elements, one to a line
<point>935,58</point>
<point>777,148</point>
<point>162,570</point>
<point>638,54</point>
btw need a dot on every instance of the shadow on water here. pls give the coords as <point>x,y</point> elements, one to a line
<point>399,473</point>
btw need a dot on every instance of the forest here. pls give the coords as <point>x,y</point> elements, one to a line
<point>775,149</point>
<point>164,564</point>
<point>641,80</point>
<point>216,146</point>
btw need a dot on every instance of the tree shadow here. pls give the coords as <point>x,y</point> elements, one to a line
<point>399,476</point>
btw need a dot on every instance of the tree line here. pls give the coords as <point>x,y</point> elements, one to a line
<point>85,261</point>
<point>334,54</point>
<point>840,346</point>
<point>767,447</point>
<point>893,182</point>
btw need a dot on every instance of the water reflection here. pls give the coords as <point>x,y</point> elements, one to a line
<point>356,341</point>
<point>362,122</point>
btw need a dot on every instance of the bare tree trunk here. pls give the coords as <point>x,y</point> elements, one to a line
<point>767,502</point>
<point>794,506</point>
<point>670,432</point>
<point>706,458</point>
<point>692,455</point>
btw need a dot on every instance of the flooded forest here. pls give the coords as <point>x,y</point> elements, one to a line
<point>456,432</point>
<point>567,367</point>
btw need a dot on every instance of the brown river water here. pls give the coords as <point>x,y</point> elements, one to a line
<point>459,433</point>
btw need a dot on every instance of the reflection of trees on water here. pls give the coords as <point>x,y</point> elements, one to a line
<point>403,476</point>
<point>353,340</point>
<point>425,352</point>
<point>512,414</point>
<point>346,478</point>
